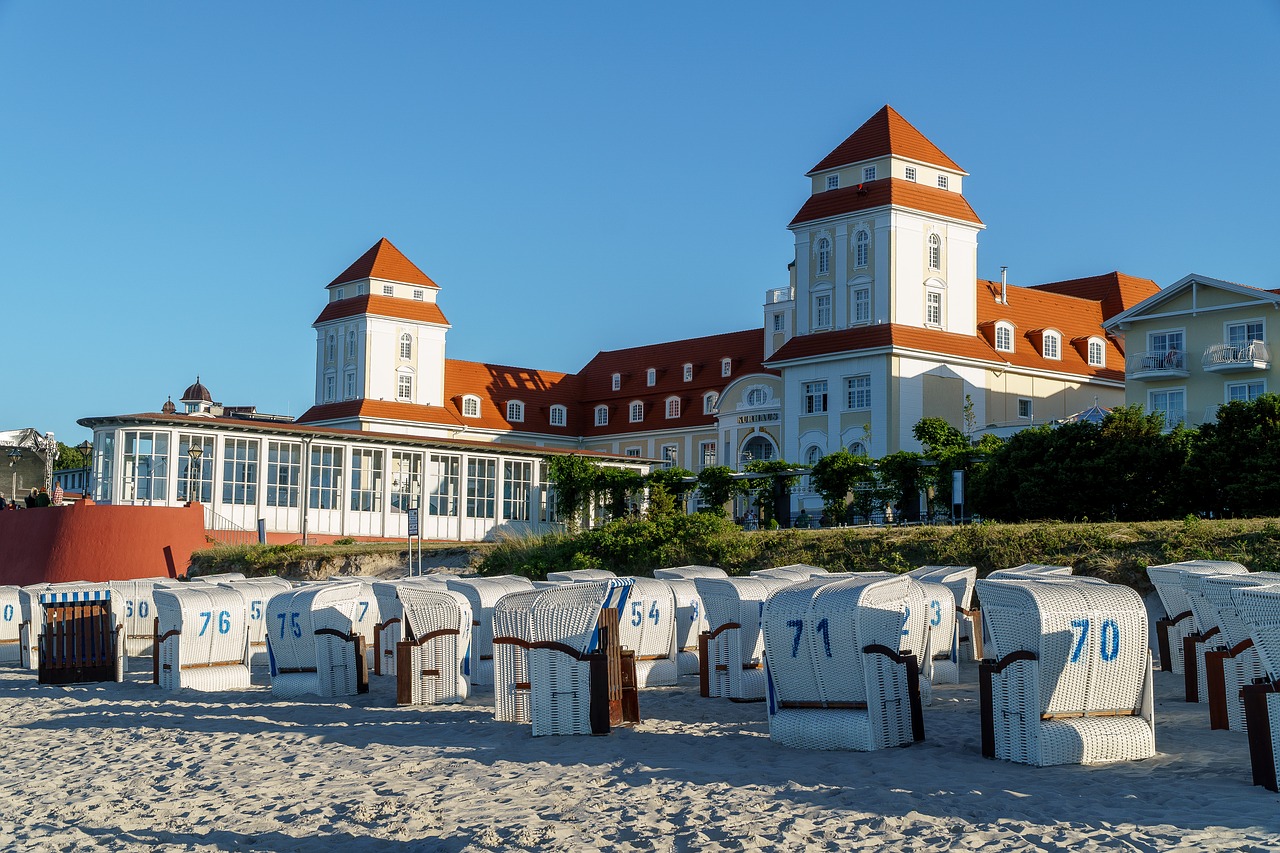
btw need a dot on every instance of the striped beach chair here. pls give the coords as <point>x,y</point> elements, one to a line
<point>80,639</point>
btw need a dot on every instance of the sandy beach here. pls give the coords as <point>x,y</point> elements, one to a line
<point>129,767</point>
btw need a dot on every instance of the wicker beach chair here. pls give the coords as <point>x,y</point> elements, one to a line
<point>30,621</point>
<point>691,621</point>
<point>730,652</point>
<point>649,629</point>
<point>1259,608</point>
<point>80,640</point>
<point>1179,621</point>
<point>257,592</point>
<point>201,639</point>
<point>836,676</point>
<point>135,608</point>
<point>1032,570</point>
<point>943,663</point>
<point>432,660</point>
<point>512,620</point>
<point>1233,661</point>
<point>312,643</point>
<point>794,572</point>
<point>689,573</point>
<point>1207,634</point>
<point>220,577</point>
<point>484,594</point>
<point>960,580</point>
<point>10,622</point>
<point>580,575</point>
<point>1068,674</point>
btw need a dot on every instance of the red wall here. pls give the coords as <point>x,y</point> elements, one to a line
<point>88,542</point>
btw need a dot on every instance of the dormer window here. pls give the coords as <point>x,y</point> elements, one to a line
<point>470,406</point>
<point>602,415</point>
<point>651,377</point>
<point>636,411</point>
<point>824,256</point>
<point>388,290</point>
<point>910,174</point>
<point>1051,345</point>
<point>515,411</point>
<point>559,415</point>
<point>726,366</point>
<point>1004,336</point>
<point>1097,353</point>
<point>616,382</point>
<point>868,174</point>
<point>338,293</point>
<point>833,182</point>
<point>417,296</point>
<point>673,407</point>
<point>359,290</point>
<point>709,401</point>
<point>688,373</point>
<point>942,182</point>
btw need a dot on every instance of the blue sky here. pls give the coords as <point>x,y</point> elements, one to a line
<point>178,181</point>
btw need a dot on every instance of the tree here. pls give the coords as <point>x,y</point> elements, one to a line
<point>677,481</point>
<point>718,487</point>
<point>837,474</point>
<point>620,485</point>
<point>576,478</point>
<point>1234,464</point>
<point>762,489</point>
<point>900,483</point>
<point>70,457</point>
<point>948,449</point>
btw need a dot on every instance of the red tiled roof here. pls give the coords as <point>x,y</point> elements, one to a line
<point>1116,291</point>
<point>387,262</point>
<point>383,306</point>
<point>745,349</point>
<point>883,134</point>
<point>496,385</point>
<point>380,409</point>
<point>883,192</point>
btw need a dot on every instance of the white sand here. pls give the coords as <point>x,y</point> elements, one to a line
<point>127,766</point>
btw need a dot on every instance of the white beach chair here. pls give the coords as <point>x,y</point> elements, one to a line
<point>689,573</point>
<point>794,572</point>
<point>1233,661</point>
<point>1259,608</point>
<point>731,651</point>
<point>80,640</point>
<point>648,628</point>
<point>366,617</point>
<point>1207,635</point>
<point>960,580</point>
<point>1068,679</point>
<point>483,594</point>
<point>1032,570</point>
<point>312,643</point>
<point>31,620</point>
<point>691,622</point>
<point>432,665</point>
<point>202,639</point>
<point>837,679</point>
<point>219,577</point>
<point>512,623</point>
<point>580,575</point>
<point>257,592</point>
<point>943,663</point>
<point>10,621</point>
<point>135,606</point>
<point>1179,622</point>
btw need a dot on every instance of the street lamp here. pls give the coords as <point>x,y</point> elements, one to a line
<point>195,452</point>
<point>86,450</point>
<point>15,455</point>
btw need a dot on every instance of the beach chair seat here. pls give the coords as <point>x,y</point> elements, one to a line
<point>80,639</point>
<point>1179,620</point>
<point>1067,679</point>
<point>10,622</point>
<point>311,642</point>
<point>960,580</point>
<point>484,594</point>
<point>432,664</point>
<point>731,651</point>
<point>837,679</point>
<point>1233,662</point>
<point>691,621</point>
<point>689,573</point>
<point>201,638</point>
<point>648,628</point>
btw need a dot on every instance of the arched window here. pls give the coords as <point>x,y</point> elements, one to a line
<point>1052,345</point>
<point>602,415</point>
<point>709,401</point>
<point>861,247</point>
<point>406,346</point>
<point>559,415</point>
<point>617,381</point>
<point>673,407</point>
<point>757,449</point>
<point>812,455</point>
<point>935,252</point>
<point>515,411</point>
<point>757,396</point>
<point>329,347</point>
<point>470,406</point>
<point>824,256</point>
<point>636,411</point>
<point>857,448</point>
<point>1004,337</point>
<point>1097,353</point>
<point>651,377</point>
<point>351,346</point>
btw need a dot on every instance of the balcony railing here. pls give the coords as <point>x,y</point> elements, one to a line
<point>779,294</point>
<point>1228,358</point>
<point>1157,364</point>
<point>1172,417</point>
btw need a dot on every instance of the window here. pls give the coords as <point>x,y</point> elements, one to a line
<point>388,290</point>
<point>709,401</point>
<point>338,293</point>
<point>470,406</point>
<point>359,290</point>
<point>349,385</point>
<point>1004,337</point>
<point>636,411</point>
<point>935,252</point>
<point>1246,391</point>
<point>815,397</point>
<point>330,382</point>
<point>1239,334</point>
<point>778,323</point>
<point>633,451</point>
<point>651,377</point>
<point>284,472</point>
<point>757,396</point>
<point>868,173</point>
<point>195,475</point>
<point>517,484</point>
<point>146,466</point>
<point>482,487</point>
<point>857,448</point>
<point>1024,407</point>
<point>824,256</point>
<point>822,311</point>
<point>404,386</point>
<point>707,452</point>
<point>406,480</point>
<point>726,366</point>
<point>329,350</point>
<point>602,415</point>
<point>350,352</point>
<point>558,414</point>
<point>673,407</point>
<point>757,449</point>
<point>942,182</point>
<point>933,308</point>
<point>240,471</point>
<point>326,477</point>
<point>616,381</point>
<point>858,392</point>
<point>406,345</point>
<point>515,411</point>
<point>669,455</point>
<point>1051,344</point>
<point>688,373</point>
<point>861,248</point>
<point>1172,404</point>
<point>417,295</point>
<point>910,174</point>
<point>862,305</point>
<point>1166,350</point>
<point>833,182</point>
<point>1097,353</point>
<point>811,458</point>
<point>104,451</point>
<point>442,485</point>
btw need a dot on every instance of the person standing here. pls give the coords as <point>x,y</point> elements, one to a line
<point>30,499</point>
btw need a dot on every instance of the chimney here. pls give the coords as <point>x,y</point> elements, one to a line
<point>1004,283</point>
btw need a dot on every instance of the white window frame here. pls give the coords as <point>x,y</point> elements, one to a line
<point>1101,358</point>
<point>822,310</point>
<point>857,392</point>
<point>833,182</point>
<point>470,406</point>
<point>943,183</point>
<point>868,174</point>
<point>726,366</point>
<point>1153,394</point>
<point>707,454</point>
<point>602,416</point>
<point>673,408</point>
<point>616,382</point>
<point>935,251</point>
<point>670,455</point>
<point>388,290</point>
<point>861,304</point>
<point>910,174</point>
<point>330,349</point>
<point>1226,391</point>
<point>338,294</point>
<point>779,322</point>
<point>404,387</point>
<point>559,415</point>
<point>1026,408</point>
<point>933,307</point>
<point>417,295</point>
<point>755,396</point>
<point>1004,336</point>
<point>632,451</point>
<point>1051,345</point>
<point>330,386</point>
<point>823,249</point>
<point>1244,338</point>
<point>635,411</point>
<point>349,385</point>
<point>709,401</point>
<point>688,372</point>
<point>815,396</point>
<point>515,411</point>
<point>651,377</point>
<point>861,249</point>
<point>406,346</point>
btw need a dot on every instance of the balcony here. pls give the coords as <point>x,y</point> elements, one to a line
<point>777,295</point>
<point>1236,358</point>
<point>1151,366</point>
